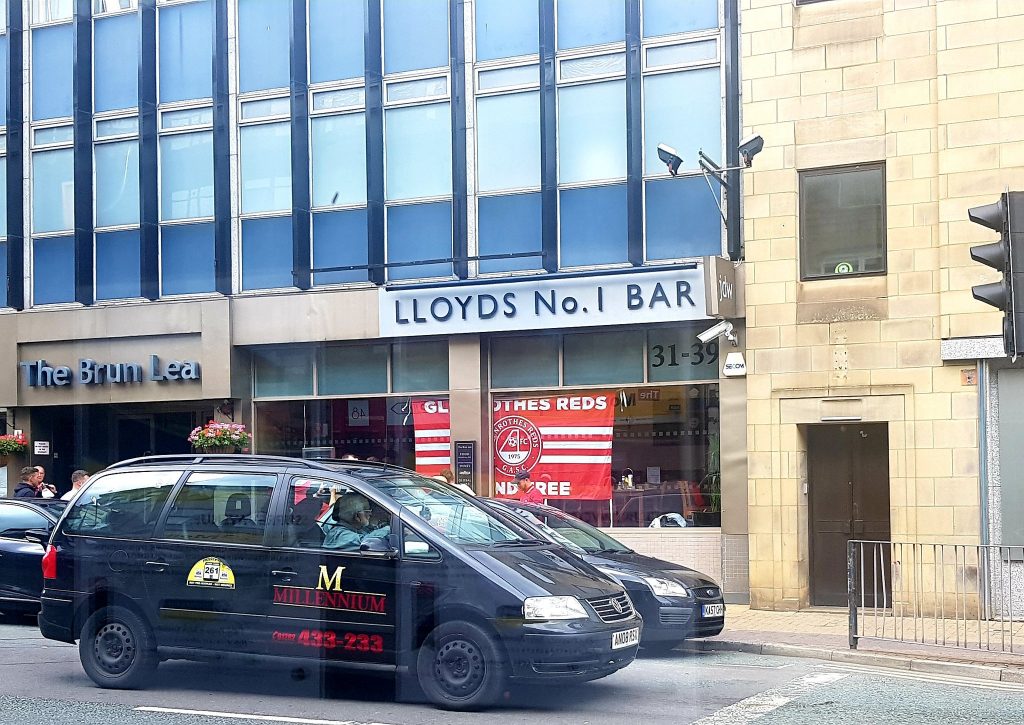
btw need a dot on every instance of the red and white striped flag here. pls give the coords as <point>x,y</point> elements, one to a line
<point>433,436</point>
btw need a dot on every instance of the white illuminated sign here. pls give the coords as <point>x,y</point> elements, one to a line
<point>636,297</point>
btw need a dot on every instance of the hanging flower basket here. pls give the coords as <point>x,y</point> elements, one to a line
<point>11,444</point>
<point>220,437</point>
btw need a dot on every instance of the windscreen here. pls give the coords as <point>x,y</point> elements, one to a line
<point>581,534</point>
<point>456,516</point>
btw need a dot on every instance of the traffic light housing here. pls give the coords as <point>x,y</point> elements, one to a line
<point>1005,216</point>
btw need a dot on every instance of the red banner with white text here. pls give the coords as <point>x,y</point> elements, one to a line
<point>432,431</point>
<point>564,441</point>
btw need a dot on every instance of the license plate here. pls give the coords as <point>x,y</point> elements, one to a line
<point>713,610</point>
<point>627,638</point>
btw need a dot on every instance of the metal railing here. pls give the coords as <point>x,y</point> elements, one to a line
<point>946,595</point>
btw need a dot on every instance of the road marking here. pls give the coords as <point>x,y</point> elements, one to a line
<point>759,705</point>
<point>928,677</point>
<point>244,716</point>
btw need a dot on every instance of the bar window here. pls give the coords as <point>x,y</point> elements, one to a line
<point>842,222</point>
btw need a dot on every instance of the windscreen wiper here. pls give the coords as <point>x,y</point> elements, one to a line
<point>520,542</point>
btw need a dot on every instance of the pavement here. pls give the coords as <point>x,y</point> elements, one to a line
<point>823,633</point>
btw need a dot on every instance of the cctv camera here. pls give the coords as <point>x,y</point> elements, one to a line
<point>713,333</point>
<point>670,158</point>
<point>749,148</point>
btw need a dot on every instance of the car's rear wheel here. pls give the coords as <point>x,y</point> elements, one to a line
<point>117,649</point>
<point>460,667</point>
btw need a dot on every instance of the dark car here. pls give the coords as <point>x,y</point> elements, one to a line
<point>25,524</point>
<point>189,557</point>
<point>676,603</point>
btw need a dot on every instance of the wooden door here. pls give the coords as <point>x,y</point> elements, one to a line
<point>848,491</point>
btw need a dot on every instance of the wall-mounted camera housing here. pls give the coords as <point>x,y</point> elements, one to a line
<point>723,328</point>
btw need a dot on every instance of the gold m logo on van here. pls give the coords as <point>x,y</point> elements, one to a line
<point>330,582</point>
<point>329,594</point>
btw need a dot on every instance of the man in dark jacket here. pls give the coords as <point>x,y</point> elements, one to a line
<point>28,487</point>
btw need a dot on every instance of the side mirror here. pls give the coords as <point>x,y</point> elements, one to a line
<point>39,536</point>
<point>377,546</point>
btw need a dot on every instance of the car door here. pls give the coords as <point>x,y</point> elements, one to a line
<point>206,581</point>
<point>21,574</point>
<point>326,603</point>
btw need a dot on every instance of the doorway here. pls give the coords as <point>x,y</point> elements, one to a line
<point>848,492</point>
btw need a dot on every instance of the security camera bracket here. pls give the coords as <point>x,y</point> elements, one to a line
<point>711,170</point>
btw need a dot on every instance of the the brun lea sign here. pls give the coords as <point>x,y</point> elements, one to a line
<point>40,374</point>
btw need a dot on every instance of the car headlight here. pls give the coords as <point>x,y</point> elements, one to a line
<point>553,608</point>
<point>666,587</point>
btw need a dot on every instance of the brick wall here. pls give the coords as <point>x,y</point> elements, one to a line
<point>697,548</point>
<point>935,90</point>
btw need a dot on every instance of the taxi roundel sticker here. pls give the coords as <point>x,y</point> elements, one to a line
<point>211,572</point>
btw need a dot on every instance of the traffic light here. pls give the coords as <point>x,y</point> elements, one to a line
<point>1005,216</point>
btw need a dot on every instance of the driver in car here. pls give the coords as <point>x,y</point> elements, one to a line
<point>349,524</point>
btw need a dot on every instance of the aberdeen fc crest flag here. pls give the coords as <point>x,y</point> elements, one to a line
<point>564,441</point>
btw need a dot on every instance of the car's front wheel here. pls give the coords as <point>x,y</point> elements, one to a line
<point>460,667</point>
<point>117,649</point>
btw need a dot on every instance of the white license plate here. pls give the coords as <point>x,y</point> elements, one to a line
<point>713,610</point>
<point>627,638</point>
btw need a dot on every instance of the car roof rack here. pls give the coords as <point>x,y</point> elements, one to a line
<point>216,457</point>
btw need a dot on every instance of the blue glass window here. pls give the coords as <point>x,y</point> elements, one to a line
<point>339,240</point>
<point>52,71</point>
<point>117,183</point>
<point>592,226</point>
<point>592,132</point>
<point>508,141</point>
<point>335,40</point>
<point>186,51</point>
<point>418,149</point>
<point>116,63</point>
<point>284,371</point>
<point>263,44</point>
<point>525,361</point>
<point>3,80</point>
<point>683,110</point>
<point>3,203</point>
<point>339,159</point>
<point>187,259</point>
<point>353,369</point>
<point>664,17</point>
<point>682,219</point>
<point>415,34</point>
<point>419,366</point>
<point>3,274</point>
<point>596,358</point>
<point>266,167</point>
<point>53,270</point>
<point>186,175</point>
<point>53,191</point>
<point>507,225</point>
<point>267,253</point>
<point>419,232</point>
<point>118,275</point>
<point>506,28</point>
<point>590,22</point>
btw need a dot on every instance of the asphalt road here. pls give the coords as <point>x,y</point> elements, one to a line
<point>42,682</point>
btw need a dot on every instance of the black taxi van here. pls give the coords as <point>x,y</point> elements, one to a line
<point>339,562</point>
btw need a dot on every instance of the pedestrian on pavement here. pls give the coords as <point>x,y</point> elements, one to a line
<point>78,479</point>
<point>528,491</point>
<point>28,487</point>
<point>46,490</point>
